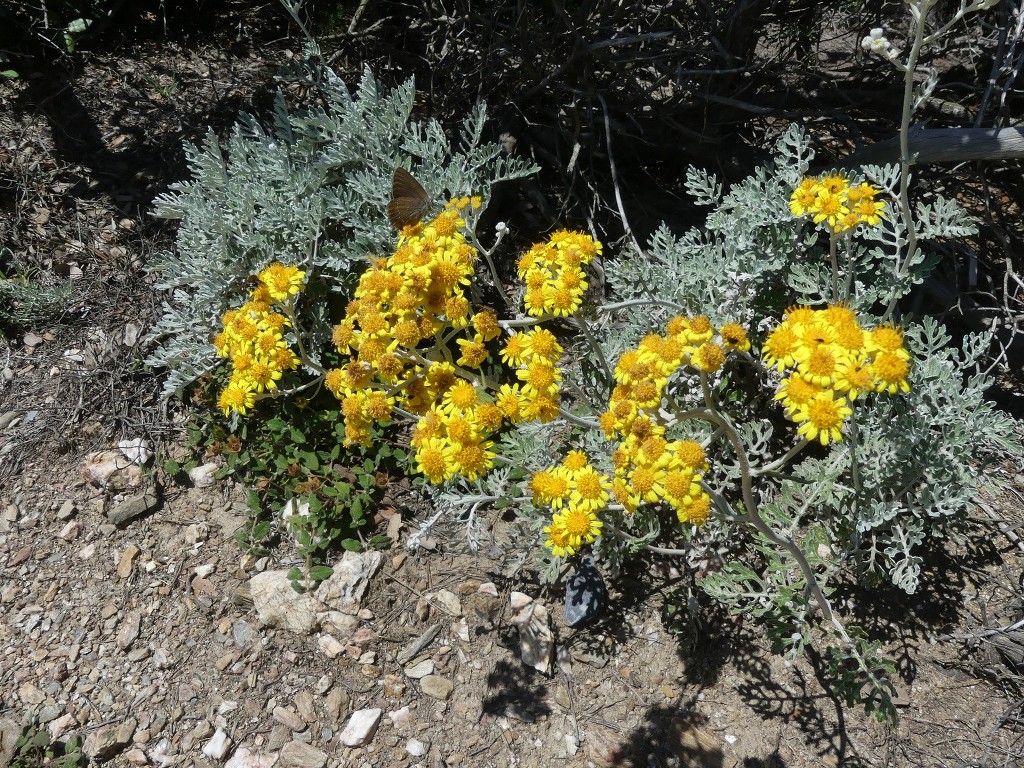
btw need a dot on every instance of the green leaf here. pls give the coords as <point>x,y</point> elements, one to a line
<point>9,73</point>
<point>320,572</point>
<point>352,545</point>
<point>380,541</point>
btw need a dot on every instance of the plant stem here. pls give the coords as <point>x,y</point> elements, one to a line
<point>833,247</point>
<point>639,303</point>
<point>906,160</point>
<point>595,349</point>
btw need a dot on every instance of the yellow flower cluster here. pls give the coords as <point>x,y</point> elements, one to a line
<point>577,492</point>
<point>830,360</point>
<point>553,273</point>
<point>401,301</point>
<point>408,311</point>
<point>253,339</point>
<point>832,200</point>
<point>649,468</point>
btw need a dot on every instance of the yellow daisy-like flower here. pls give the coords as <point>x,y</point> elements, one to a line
<point>514,350</point>
<point>378,405</point>
<point>854,377</point>
<point>591,492</point>
<point>709,357</point>
<point>822,418</point>
<point>734,337</point>
<point>574,461</point>
<point>690,454</point>
<point>558,539</point>
<point>489,416</point>
<point>887,338</point>
<point>549,488</point>
<point>263,375</point>
<point>819,365</point>
<point>581,525</point>
<point>435,459</point>
<point>461,396</point>
<point>835,183</point>
<point>473,459</point>
<point>282,281</point>
<point>780,347</point>
<point>236,398</point>
<point>510,400</point>
<point>869,211</point>
<point>828,207</point>
<point>541,343</point>
<point>796,391</point>
<point>695,509</point>
<point>473,352</point>
<point>441,377</point>
<point>891,371</point>
<point>540,377</point>
<point>334,380</point>
<point>485,323</point>
<point>543,408</point>
<point>803,197</point>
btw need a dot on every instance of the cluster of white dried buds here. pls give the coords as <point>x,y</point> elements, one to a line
<point>876,42</point>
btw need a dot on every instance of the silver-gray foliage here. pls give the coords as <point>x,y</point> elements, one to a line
<point>310,190</point>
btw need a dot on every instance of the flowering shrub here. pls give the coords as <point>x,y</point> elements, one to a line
<point>670,429</point>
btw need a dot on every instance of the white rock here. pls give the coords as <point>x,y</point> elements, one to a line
<point>131,334</point>
<point>536,641</point>
<point>218,745</point>
<point>87,551</point>
<point>196,532</point>
<point>203,571</point>
<point>111,468</point>
<point>462,631</point>
<point>61,725</point>
<point>162,659</point>
<point>400,718</point>
<point>70,531</point>
<point>137,450</point>
<point>416,748</point>
<point>243,758</point>
<point>203,476</point>
<point>448,601</point>
<point>488,588</point>
<point>343,590</point>
<point>227,707</point>
<point>519,600</point>
<point>342,625</point>
<point>279,605</point>
<point>421,670</point>
<point>330,645</point>
<point>571,745</point>
<point>361,727</point>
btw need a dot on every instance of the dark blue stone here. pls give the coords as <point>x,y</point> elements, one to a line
<point>585,593</point>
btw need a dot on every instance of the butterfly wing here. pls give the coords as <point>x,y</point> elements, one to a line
<point>409,200</point>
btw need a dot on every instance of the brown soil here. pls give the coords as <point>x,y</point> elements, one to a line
<point>82,152</point>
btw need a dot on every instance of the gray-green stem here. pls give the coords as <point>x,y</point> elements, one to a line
<point>902,269</point>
